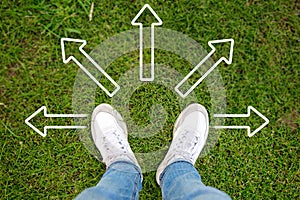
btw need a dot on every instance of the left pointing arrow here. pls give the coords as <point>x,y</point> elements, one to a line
<point>44,109</point>
<point>67,59</point>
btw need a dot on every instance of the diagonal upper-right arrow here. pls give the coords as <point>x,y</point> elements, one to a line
<point>179,89</point>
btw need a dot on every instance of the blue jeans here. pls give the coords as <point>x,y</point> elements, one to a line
<point>123,180</point>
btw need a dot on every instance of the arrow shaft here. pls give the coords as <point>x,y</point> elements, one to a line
<point>231,127</point>
<point>179,86</point>
<point>99,68</point>
<point>237,127</point>
<point>116,86</point>
<point>67,115</point>
<point>143,68</point>
<point>63,116</point>
<point>141,51</point>
<point>65,127</point>
<point>91,76</point>
<point>231,115</point>
<point>152,50</point>
<point>60,127</point>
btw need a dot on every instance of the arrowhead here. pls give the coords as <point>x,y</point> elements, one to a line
<point>66,56</point>
<point>27,121</point>
<point>266,121</point>
<point>227,59</point>
<point>135,21</point>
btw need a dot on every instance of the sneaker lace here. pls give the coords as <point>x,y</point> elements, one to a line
<point>185,146</point>
<point>116,146</point>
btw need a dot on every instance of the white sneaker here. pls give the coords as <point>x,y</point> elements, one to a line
<point>109,133</point>
<point>189,137</point>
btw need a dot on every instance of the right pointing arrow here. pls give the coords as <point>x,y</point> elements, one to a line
<point>66,58</point>
<point>228,60</point>
<point>250,134</point>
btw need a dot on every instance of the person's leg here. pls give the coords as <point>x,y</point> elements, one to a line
<point>123,177</point>
<point>122,180</point>
<point>176,174</point>
<point>180,180</point>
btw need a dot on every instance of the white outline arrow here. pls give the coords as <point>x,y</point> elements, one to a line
<point>135,23</point>
<point>250,134</point>
<point>66,60</point>
<point>43,108</point>
<point>228,61</point>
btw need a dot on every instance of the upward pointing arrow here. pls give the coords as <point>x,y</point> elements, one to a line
<point>46,115</point>
<point>135,22</point>
<point>67,58</point>
<point>227,60</point>
<point>250,108</point>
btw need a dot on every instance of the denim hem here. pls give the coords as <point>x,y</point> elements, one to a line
<point>137,168</point>
<point>168,166</point>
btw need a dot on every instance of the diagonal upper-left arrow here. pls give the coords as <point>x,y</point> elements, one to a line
<point>46,115</point>
<point>68,57</point>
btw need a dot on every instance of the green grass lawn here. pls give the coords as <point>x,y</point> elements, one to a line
<point>264,74</point>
